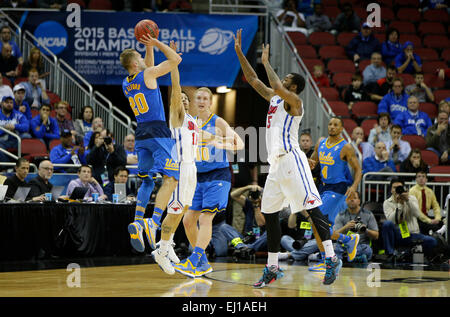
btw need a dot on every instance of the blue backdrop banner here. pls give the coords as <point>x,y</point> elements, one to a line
<point>93,47</point>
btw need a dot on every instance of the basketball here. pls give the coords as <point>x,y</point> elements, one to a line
<point>146,27</point>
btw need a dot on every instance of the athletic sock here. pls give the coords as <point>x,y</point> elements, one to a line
<point>272,259</point>
<point>196,256</point>
<point>164,246</point>
<point>343,238</point>
<point>329,250</point>
<point>157,214</point>
<point>139,217</point>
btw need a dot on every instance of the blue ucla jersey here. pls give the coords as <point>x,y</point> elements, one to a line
<point>208,156</point>
<point>333,169</point>
<point>147,106</point>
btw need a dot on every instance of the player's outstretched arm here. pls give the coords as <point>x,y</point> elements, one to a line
<point>249,73</point>
<point>149,56</point>
<point>314,158</point>
<point>227,138</point>
<point>288,96</point>
<point>176,106</point>
<point>350,157</point>
<point>173,59</point>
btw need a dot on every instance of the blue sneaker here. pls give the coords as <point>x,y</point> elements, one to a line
<point>269,275</point>
<point>203,268</point>
<point>150,228</point>
<point>185,267</point>
<point>136,239</point>
<point>319,267</point>
<point>333,266</point>
<point>351,246</point>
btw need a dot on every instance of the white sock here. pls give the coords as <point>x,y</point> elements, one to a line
<point>329,250</point>
<point>171,237</point>
<point>442,230</point>
<point>272,259</point>
<point>164,246</point>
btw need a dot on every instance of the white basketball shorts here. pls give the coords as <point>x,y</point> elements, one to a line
<point>290,180</point>
<point>183,194</point>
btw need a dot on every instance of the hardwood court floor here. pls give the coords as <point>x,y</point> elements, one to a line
<point>227,279</point>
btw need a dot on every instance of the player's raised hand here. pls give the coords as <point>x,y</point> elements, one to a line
<point>238,40</point>
<point>147,40</point>
<point>265,54</point>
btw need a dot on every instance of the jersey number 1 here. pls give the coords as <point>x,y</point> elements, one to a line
<point>138,104</point>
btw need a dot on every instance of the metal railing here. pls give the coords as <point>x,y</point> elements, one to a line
<point>19,144</point>
<point>33,166</point>
<point>16,35</point>
<point>378,190</point>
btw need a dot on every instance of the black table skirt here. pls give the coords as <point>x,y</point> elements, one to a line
<point>31,230</point>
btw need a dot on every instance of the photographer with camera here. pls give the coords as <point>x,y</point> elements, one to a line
<point>251,206</point>
<point>401,227</point>
<point>103,152</point>
<point>357,220</point>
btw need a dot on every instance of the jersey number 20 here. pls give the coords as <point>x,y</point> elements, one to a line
<point>138,104</point>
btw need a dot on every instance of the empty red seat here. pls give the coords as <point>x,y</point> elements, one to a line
<point>429,108</point>
<point>416,141</point>
<point>32,148</point>
<point>387,14</point>
<point>332,51</point>
<point>408,79</point>
<point>297,38</point>
<point>431,28</point>
<point>440,169</point>
<point>349,125</point>
<point>360,11</point>
<point>403,26</point>
<point>432,66</point>
<point>433,81</point>
<point>415,39</point>
<point>436,15</point>
<point>331,11</point>
<point>408,14</point>
<point>311,62</point>
<point>54,143</point>
<point>339,108</point>
<point>341,66</point>
<point>426,53</point>
<point>306,51</point>
<point>344,38</point>
<point>429,157</point>
<point>367,125</point>
<point>408,3</point>
<point>436,41</point>
<point>441,94</point>
<point>342,79</point>
<point>330,93</point>
<point>445,55</point>
<point>321,38</point>
<point>365,109</point>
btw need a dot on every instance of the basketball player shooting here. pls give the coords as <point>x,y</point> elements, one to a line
<point>290,177</point>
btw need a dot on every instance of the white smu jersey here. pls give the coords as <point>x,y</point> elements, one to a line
<point>281,130</point>
<point>186,138</point>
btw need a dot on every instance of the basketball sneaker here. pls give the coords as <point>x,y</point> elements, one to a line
<point>319,267</point>
<point>163,261</point>
<point>185,267</point>
<point>150,228</point>
<point>203,268</point>
<point>333,266</point>
<point>351,246</point>
<point>172,255</point>
<point>269,275</point>
<point>136,239</point>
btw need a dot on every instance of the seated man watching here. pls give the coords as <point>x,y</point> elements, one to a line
<point>41,183</point>
<point>120,177</point>
<point>85,179</point>
<point>18,179</point>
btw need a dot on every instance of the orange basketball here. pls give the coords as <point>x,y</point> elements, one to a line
<point>146,27</point>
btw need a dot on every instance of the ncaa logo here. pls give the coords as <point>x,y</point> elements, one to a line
<point>215,41</point>
<point>52,35</point>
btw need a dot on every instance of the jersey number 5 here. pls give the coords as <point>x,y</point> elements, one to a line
<point>269,118</point>
<point>138,104</point>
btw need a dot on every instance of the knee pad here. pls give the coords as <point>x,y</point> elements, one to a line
<point>320,222</point>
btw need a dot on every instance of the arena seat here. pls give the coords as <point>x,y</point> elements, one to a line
<point>306,51</point>
<point>415,39</point>
<point>311,62</point>
<point>433,81</point>
<point>436,15</point>
<point>408,14</point>
<point>6,81</point>
<point>429,108</point>
<point>332,51</point>
<point>54,143</point>
<point>436,41</point>
<point>342,79</point>
<point>341,66</point>
<point>367,125</point>
<point>344,38</point>
<point>445,55</point>
<point>329,93</point>
<point>339,108</point>
<point>365,109</point>
<point>32,148</point>
<point>349,125</point>
<point>321,38</point>
<point>408,79</point>
<point>416,141</point>
<point>100,5</point>
<point>427,27</point>
<point>297,38</point>
<point>430,67</point>
<point>430,157</point>
<point>426,53</point>
<point>441,94</point>
<point>403,26</point>
<point>331,11</point>
<point>440,169</point>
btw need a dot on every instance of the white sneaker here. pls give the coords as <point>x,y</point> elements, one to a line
<point>172,255</point>
<point>163,262</point>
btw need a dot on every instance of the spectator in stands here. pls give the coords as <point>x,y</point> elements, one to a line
<point>443,73</point>
<point>413,121</point>
<point>443,106</point>
<point>358,141</point>
<point>420,89</point>
<point>97,125</point>
<point>19,101</point>
<point>347,21</point>
<point>9,65</point>
<point>391,47</point>
<point>18,179</point>
<point>306,6</point>
<point>44,127</point>
<point>345,223</point>
<point>85,179</point>
<point>35,95</point>
<point>5,34</point>
<point>428,205</point>
<point>103,151</point>
<point>51,4</point>
<point>61,117</point>
<point>408,62</point>
<point>41,183</point>
<point>434,4</point>
<point>398,149</point>
<point>290,18</point>
<point>128,145</point>
<point>379,162</point>
<point>318,22</point>
<point>320,78</point>
<point>438,137</point>
<point>363,45</point>
<point>67,153</point>
<point>400,208</point>
<point>34,61</point>
<point>374,72</point>
<point>120,177</point>
<point>381,132</point>
<point>384,84</point>
<point>5,90</point>
<point>355,92</point>
<point>413,164</point>
<point>13,121</point>
<point>396,101</point>
<point>84,123</point>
